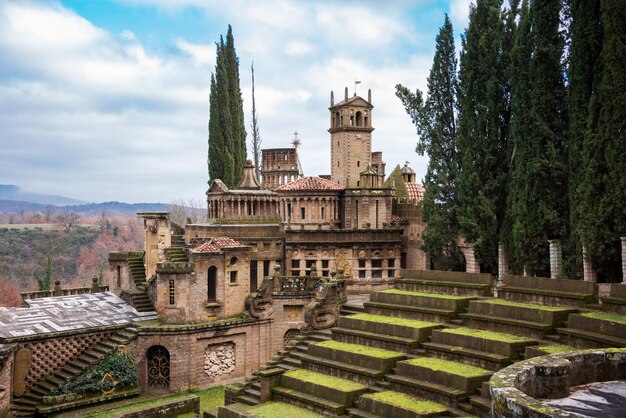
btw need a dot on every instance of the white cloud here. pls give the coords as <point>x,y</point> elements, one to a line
<point>459,14</point>
<point>102,116</point>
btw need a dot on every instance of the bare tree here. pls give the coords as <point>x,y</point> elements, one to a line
<point>256,137</point>
<point>184,212</point>
<point>68,220</point>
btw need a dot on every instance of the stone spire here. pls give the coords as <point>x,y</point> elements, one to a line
<point>249,180</point>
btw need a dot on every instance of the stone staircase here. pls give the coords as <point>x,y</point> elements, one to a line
<point>178,240</point>
<point>176,254</point>
<point>429,347</point>
<point>26,405</point>
<point>138,297</point>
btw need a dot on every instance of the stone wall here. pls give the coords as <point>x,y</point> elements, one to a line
<point>6,387</point>
<point>251,343</point>
<point>119,275</point>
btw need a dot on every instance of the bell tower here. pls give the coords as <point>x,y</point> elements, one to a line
<point>350,138</point>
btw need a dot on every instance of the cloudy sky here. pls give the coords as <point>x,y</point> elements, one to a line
<point>108,100</point>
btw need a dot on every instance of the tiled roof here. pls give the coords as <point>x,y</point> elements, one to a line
<point>215,245</point>
<point>415,191</point>
<point>311,184</point>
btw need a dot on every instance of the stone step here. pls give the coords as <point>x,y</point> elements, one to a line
<point>546,349</point>
<point>508,345</point>
<point>444,287</point>
<point>444,372</point>
<point>247,400</point>
<point>481,406</point>
<point>553,316</point>
<point>356,355</point>
<point>421,299</point>
<point>476,358</point>
<point>396,404</point>
<point>429,390</point>
<point>587,339</point>
<point>340,369</point>
<point>370,339</point>
<point>410,312</point>
<point>331,388</point>
<point>606,323</point>
<point>397,327</point>
<point>307,400</point>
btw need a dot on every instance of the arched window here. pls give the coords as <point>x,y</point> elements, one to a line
<point>158,359</point>
<point>359,118</point>
<point>212,284</point>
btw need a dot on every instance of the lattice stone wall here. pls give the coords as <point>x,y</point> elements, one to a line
<point>49,355</point>
<point>219,359</point>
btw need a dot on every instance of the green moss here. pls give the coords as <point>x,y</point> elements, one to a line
<point>555,348</point>
<point>282,410</point>
<point>605,316</point>
<point>488,335</point>
<point>360,349</point>
<point>321,379</point>
<point>451,367</point>
<point>429,295</point>
<point>419,406</point>
<point>412,323</point>
<point>525,305</point>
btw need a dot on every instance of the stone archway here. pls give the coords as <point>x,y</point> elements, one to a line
<point>158,362</point>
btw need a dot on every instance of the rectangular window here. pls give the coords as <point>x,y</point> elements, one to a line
<point>361,264</point>
<point>325,265</point>
<point>302,213</point>
<point>119,276</point>
<point>295,272</point>
<point>172,293</point>
<point>322,213</point>
<point>288,210</point>
<point>295,264</point>
<point>377,269</point>
<point>361,274</point>
<point>266,268</point>
<point>233,277</point>
<point>253,275</point>
<point>376,264</point>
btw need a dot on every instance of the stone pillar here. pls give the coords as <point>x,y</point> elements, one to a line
<point>589,272</point>
<point>556,258</point>
<point>623,239</point>
<point>471,264</point>
<point>503,262</point>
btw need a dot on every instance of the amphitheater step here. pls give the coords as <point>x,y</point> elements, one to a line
<point>444,372</point>
<point>408,329</point>
<point>356,355</point>
<point>329,393</point>
<point>395,404</point>
<point>247,400</point>
<point>445,282</point>
<point>545,349</point>
<point>416,305</point>
<point>593,329</point>
<point>526,319</point>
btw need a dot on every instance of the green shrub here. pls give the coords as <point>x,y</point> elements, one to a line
<point>115,371</point>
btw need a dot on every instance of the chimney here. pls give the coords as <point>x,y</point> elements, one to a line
<point>346,93</point>
<point>332,99</point>
<point>369,95</point>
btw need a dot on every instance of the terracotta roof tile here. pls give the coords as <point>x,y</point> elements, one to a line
<point>415,191</point>
<point>311,184</point>
<point>215,245</point>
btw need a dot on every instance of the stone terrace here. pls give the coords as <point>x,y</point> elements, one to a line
<point>429,346</point>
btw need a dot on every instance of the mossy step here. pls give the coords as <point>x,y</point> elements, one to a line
<point>492,322</point>
<point>546,349</point>
<point>421,299</point>
<point>444,372</point>
<point>395,404</point>
<point>594,339</point>
<point>600,322</point>
<point>305,399</point>
<point>499,308</point>
<point>282,410</point>
<point>410,312</point>
<point>356,354</point>
<point>508,345</point>
<point>435,391</point>
<point>381,324</point>
<point>335,389</point>
<point>481,405</point>
<point>247,400</point>
<point>477,358</point>
<point>355,373</point>
<point>371,339</point>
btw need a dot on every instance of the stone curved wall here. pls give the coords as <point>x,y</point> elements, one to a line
<point>519,390</point>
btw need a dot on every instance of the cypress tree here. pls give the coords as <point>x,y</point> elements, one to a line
<point>256,137</point>
<point>227,134</point>
<point>602,190</point>
<point>436,127</point>
<point>482,141</point>
<point>237,143</point>
<point>586,43</point>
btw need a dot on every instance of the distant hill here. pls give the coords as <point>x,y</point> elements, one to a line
<point>14,200</point>
<point>15,206</point>
<point>13,192</point>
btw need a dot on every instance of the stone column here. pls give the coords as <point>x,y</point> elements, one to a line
<point>556,258</point>
<point>471,265</point>
<point>503,263</point>
<point>589,272</point>
<point>623,239</point>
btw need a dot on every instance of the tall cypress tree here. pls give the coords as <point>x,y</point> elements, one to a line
<point>237,144</point>
<point>436,127</point>
<point>586,43</point>
<point>256,137</point>
<point>482,141</point>
<point>602,190</point>
<point>227,134</point>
